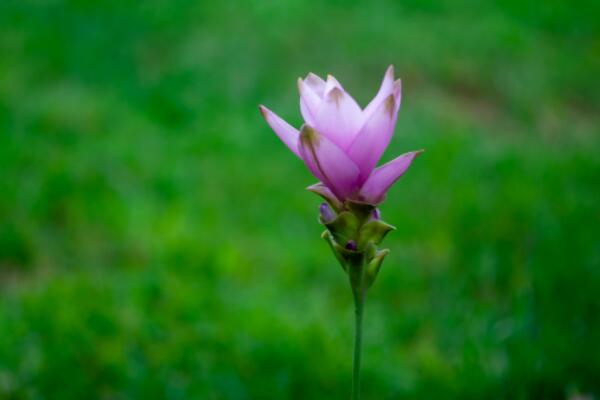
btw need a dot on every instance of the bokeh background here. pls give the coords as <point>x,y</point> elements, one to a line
<point>156,240</point>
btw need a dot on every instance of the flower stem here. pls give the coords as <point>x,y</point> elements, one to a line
<point>359,306</point>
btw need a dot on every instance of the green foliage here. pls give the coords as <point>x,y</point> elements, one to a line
<point>156,239</point>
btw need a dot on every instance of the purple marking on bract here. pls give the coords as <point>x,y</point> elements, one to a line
<point>351,245</point>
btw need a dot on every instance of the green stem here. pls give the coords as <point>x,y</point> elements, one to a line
<point>359,306</point>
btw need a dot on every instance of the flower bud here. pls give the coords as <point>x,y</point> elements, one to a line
<point>326,213</point>
<point>376,214</point>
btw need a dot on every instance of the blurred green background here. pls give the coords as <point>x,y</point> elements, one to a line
<point>156,240</point>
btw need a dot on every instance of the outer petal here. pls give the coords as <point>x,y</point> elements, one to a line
<point>287,133</point>
<point>386,88</point>
<point>374,136</point>
<point>327,194</point>
<point>316,83</point>
<point>330,84</point>
<point>376,187</point>
<point>309,102</point>
<point>339,117</point>
<point>328,163</point>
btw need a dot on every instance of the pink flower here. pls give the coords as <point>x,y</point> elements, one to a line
<point>342,144</point>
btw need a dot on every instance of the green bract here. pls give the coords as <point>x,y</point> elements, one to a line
<point>353,235</point>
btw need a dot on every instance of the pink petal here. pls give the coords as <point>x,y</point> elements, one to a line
<point>287,133</point>
<point>376,187</point>
<point>330,84</point>
<point>309,102</point>
<point>374,137</point>
<point>339,117</point>
<point>386,88</point>
<point>328,163</point>
<point>316,83</point>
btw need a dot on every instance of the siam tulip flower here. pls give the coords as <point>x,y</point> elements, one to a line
<point>341,144</point>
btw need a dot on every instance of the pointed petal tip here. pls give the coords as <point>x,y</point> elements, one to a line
<point>382,178</point>
<point>390,71</point>
<point>415,154</point>
<point>332,83</point>
<point>287,133</point>
<point>267,114</point>
<point>316,83</point>
<point>263,110</point>
<point>397,87</point>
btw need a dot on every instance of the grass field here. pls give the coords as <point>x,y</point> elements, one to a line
<point>156,240</point>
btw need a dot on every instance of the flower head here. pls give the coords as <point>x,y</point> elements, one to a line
<point>341,143</point>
